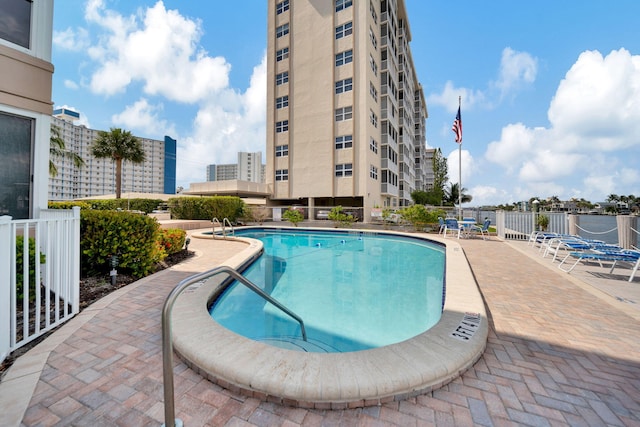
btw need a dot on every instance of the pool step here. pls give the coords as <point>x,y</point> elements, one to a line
<point>298,344</point>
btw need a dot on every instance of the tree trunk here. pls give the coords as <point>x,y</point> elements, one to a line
<point>118,178</point>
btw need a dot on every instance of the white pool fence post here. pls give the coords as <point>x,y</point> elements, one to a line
<point>5,285</point>
<point>627,231</point>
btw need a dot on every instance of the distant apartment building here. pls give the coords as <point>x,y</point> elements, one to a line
<point>25,106</point>
<point>346,115</point>
<point>157,174</point>
<point>249,168</point>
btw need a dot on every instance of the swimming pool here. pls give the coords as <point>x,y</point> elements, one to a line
<point>353,290</point>
<point>332,380</point>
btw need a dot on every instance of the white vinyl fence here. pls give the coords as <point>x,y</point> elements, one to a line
<point>39,275</point>
<point>520,225</point>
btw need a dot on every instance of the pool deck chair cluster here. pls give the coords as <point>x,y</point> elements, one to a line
<point>572,250</point>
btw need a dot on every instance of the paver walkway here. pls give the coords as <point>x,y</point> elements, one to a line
<point>557,355</point>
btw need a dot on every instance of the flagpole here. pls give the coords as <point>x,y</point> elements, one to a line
<point>460,168</point>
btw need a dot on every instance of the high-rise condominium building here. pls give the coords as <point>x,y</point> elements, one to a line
<point>346,113</point>
<point>157,174</point>
<point>249,168</point>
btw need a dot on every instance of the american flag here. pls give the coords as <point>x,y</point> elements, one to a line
<point>457,127</point>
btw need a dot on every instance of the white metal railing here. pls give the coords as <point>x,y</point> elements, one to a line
<point>48,280</point>
<point>519,225</point>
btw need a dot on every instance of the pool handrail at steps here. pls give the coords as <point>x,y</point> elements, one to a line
<point>167,343</point>
<point>222,226</point>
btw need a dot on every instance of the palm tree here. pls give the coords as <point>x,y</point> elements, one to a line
<point>57,148</point>
<point>119,145</point>
<point>452,194</point>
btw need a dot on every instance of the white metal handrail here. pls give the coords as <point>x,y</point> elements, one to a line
<point>167,342</point>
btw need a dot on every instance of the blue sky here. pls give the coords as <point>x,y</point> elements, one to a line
<point>550,90</point>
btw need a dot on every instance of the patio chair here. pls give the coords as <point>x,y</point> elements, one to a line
<point>482,229</point>
<point>634,266</point>
<point>599,256</point>
<point>451,226</point>
<point>442,226</point>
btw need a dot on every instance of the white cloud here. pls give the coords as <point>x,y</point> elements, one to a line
<point>598,102</point>
<point>516,69</point>
<point>454,159</point>
<point>72,40</point>
<point>162,52</point>
<point>594,116</point>
<point>448,98</point>
<point>145,117</point>
<point>70,84</point>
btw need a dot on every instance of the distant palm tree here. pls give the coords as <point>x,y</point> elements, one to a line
<point>57,148</point>
<point>119,145</point>
<point>452,194</point>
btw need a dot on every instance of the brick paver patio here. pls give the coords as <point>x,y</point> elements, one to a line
<point>557,354</point>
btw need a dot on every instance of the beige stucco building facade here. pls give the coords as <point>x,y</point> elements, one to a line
<point>25,106</point>
<point>345,111</point>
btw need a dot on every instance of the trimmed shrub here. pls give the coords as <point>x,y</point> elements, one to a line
<point>171,240</point>
<point>207,208</point>
<point>68,205</point>
<point>142,205</point>
<point>340,218</point>
<point>32,268</point>
<point>132,238</point>
<point>294,216</point>
<point>419,216</point>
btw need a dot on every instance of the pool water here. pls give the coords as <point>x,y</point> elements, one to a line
<point>353,290</point>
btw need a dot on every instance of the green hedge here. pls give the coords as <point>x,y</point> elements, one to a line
<point>69,205</point>
<point>32,268</point>
<point>133,238</point>
<point>143,205</point>
<point>207,208</point>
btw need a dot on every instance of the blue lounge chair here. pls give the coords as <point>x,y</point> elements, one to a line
<point>607,255</point>
<point>483,229</point>
<point>451,226</point>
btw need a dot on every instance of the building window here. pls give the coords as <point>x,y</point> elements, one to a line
<point>15,164</point>
<point>344,85</point>
<point>282,126</point>
<point>282,30</point>
<point>373,145</point>
<point>344,30</point>
<point>343,4</point>
<point>345,113</point>
<point>373,172</point>
<point>345,141</point>
<point>282,54</point>
<point>344,170</point>
<point>373,118</point>
<point>374,66</point>
<point>282,150</point>
<point>282,102</point>
<point>282,175</point>
<point>15,24</point>
<point>282,78</point>
<point>373,39</point>
<point>282,7</point>
<point>372,9</point>
<point>373,91</point>
<point>344,57</point>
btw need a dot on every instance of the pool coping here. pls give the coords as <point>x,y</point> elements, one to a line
<point>336,380</point>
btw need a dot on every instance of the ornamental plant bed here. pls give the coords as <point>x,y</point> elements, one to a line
<point>91,290</point>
